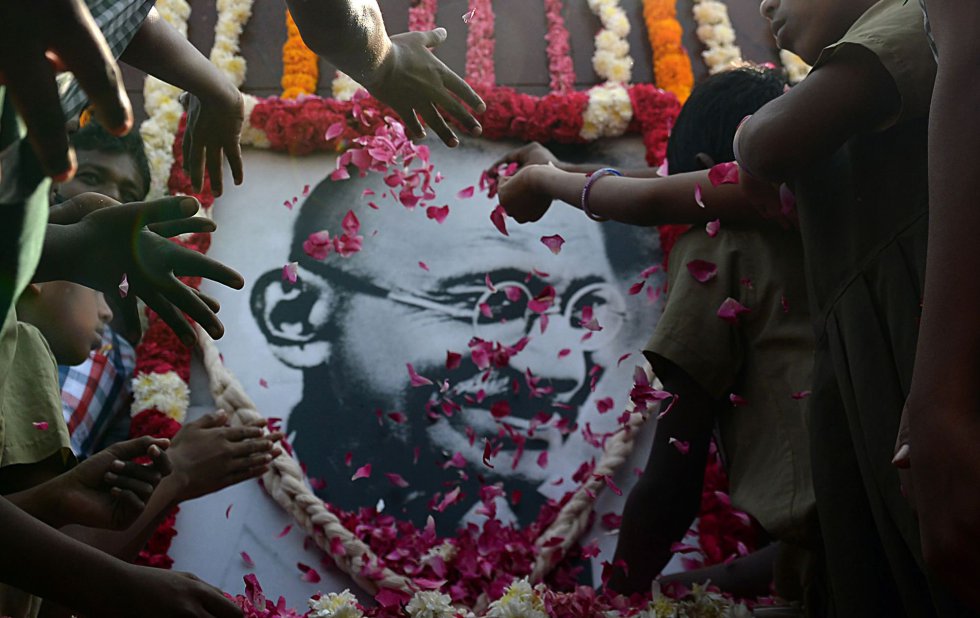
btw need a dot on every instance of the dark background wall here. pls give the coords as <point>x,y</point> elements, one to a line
<point>520,52</point>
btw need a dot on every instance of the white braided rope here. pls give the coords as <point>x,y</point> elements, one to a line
<point>573,519</point>
<point>287,484</point>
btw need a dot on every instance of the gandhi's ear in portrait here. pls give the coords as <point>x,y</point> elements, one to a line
<point>294,318</point>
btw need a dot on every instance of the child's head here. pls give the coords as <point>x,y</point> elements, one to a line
<point>705,128</point>
<point>805,27</point>
<point>113,166</point>
<point>70,316</point>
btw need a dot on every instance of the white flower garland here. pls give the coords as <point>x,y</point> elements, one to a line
<point>232,17</point>
<point>166,392</point>
<point>717,34</point>
<point>430,604</point>
<point>610,110</point>
<point>612,61</point>
<point>162,108</point>
<point>796,68</point>
<point>344,87</point>
<point>608,113</point>
<point>335,605</point>
<point>161,99</point>
<point>519,601</point>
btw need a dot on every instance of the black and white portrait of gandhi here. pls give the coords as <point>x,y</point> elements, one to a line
<point>417,291</point>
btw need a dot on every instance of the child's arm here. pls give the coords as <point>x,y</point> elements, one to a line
<point>207,456</point>
<point>527,195</point>
<point>44,562</point>
<point>106,490</point>
<point>215,120</point>
<point>944,415</point>
<point>851,94</point>
<point>536,154</point>
<point>36,40</point>
<point>665,500</point>
<point>400,71</point>
<point>105,243</point>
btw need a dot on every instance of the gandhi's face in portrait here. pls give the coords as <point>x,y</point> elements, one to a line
<point>418,293</point>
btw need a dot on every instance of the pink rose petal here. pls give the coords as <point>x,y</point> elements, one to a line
<point>449,499</point>
<point>364,472</point>
<point>351,224</point>
<point>415,378</point>
<point>466,193</point>
<point>724,174</point>
<point>636,288</point>
<point>500,410</point>
<point>309,573</point>
<point>396,479</point>
<point>553,242</point>
<point>490,285</point>
<point>438,213</point>
<point>228,511</point>
<point>424,266</point>
<point>730,309</point>
<point>605,404</point>
<point>562,353</point>
<point>263,383</point>
<point>682,447</point>
<point>487,453</point>
<point>453,359</point>
<point>247,560</point>
<point>318,245</point>
<point>290,272</point>
<point>306,190</point>
<point>285,531</point>
<point>697,195</point>
<point>712,228</point>
<point>702,271</point>
<point>334,131</point>
<point>622,358</point>
<point>340,173</point>
<point>368,193</point>
<point>801,395</point>
<point>499,221</point>
<point>40,425</point>
<point>123,287</point>
<point>543,459</point>
<point>543,301</point>
<point>469,15</point>
<point>737,400</point>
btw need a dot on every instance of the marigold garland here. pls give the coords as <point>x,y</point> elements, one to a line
<point>671,64</point>
<point>300,68</point>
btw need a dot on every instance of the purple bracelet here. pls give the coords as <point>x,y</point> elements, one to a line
<point>587,189</point>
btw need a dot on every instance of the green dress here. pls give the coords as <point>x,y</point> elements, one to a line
<point>863,218</point>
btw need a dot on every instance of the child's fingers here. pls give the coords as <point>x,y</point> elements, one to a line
<point>246,448</point>
<point>137,447</point>
<point>129,501</point>
<point>142,489</point>
<point>161,461</point>
<point>242,432</point>
<point>143,473</point>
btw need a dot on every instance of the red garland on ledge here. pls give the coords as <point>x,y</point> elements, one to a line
<point>299,127</point>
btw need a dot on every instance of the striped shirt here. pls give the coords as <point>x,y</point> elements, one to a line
<point>119,20</point>
<point>95,395</point>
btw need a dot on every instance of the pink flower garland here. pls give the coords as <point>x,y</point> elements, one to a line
<point>422,15</point>
<point>559,50</point>
<point>480,45</point>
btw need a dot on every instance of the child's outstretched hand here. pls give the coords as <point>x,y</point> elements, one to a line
<point>522,195</point>
<point>103,244</point>
<point>209,455</point>
<point>213,127</point>
<point>109,490</point>
<point>529,154</point>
